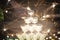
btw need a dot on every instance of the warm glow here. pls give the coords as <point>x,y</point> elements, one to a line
<point>50,37</point>
<point>31,20</point>
<point>12,35</point>
<point>4,29</point>
<point>24,28</point>
<point>53,34</point>
<point>31,28</point>
<point>59,38</point>
<point>23,17</point>
<point>9,0</point>
<point>54,4</point>
<point>56,37</point>
<point>35,20</point>
<point>30,36</point>
<point>46,16</point>
<point>28,20</point>
<point>58,32</point>
<point>48,30</point>
<point>31,13</point>
<point>46,38</point>
<point>28,8</point>
<point>6,11</point>
<point>43,19</point>
<point>7,36</point>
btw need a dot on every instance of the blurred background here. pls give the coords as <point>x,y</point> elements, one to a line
<point>47,11</point>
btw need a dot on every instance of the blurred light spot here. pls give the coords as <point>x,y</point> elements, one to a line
<point>46,16</point>
<point>4,29</point>
<point>16,39</point>
<point>12,35</point>
<point>59,38</point>
<point>7,36</point>
<point>56,37</point>
<point>46,38</point>
<point>54,4</point>
<point>53,34</point>
<point>50,37</point>
<point>23,17</point>
<point>9,0</point>
<point>43,19</point>
<point>28,8</point>
<point>31,12</point>
<point>48,30</point>
<point>6,11</point>
<point>59,32</point>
